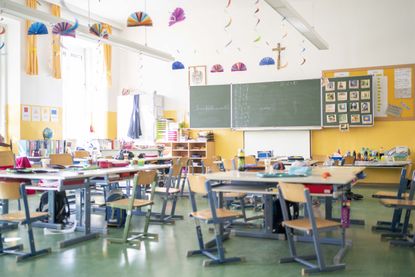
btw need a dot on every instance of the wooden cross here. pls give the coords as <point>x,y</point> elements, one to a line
<point>279,49</point>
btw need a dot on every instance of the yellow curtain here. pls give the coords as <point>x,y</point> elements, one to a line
<point>56,49</point>
<point>108,55</point>
<point>31,50</point>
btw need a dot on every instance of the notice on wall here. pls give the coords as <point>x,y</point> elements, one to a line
<point>341,74</point>
<point>54,116</point>
<point>394,111</point>
<point>26,113</point>
<point>45,114</point>
<point>380,90</point>
<point>35,113</point>
<point>403,83</point>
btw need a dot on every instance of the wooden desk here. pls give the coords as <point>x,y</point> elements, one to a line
<point>383,172</point>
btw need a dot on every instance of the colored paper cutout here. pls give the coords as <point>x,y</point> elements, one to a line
<point>2,45</point>
<point>2,30</point>
<point>37,28</point>
<point>138,19</point>
<point>177,16</point>
<point>267,61</point>
<point>98,30</point>
<point>238,67</point>
<point>65,29</point>
<point>216,68</point>
<point>177,65</point>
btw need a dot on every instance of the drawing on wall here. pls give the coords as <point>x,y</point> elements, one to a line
<point>197,75</point>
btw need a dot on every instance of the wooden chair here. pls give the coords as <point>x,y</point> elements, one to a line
<point>213,215</point>
<point>7,159</point>
<point>143,178</point>
<point>309,224</point>
<point>6,145</point>
<point>404,238</point>
<point>81,154</point>
<point>61,159</point>
<point>14,191</point>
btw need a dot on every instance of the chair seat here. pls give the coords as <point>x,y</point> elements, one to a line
<point>20,216</point>
<point>408,204</point>
<point>220,213</point>
<point>305,225</point>
<point>164,190</point>
<point>123,203</point>
<point>234,195</point>
<point>389,195</point>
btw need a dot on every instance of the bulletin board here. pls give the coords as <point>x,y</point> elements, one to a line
<point>348,100</point>
<point>393,89</point>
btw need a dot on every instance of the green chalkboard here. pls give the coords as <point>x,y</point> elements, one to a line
<point>210,106</point>
<point>277,104</point>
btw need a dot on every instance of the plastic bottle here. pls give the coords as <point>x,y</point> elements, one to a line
<point>241,160</point>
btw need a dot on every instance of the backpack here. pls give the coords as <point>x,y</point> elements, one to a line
<point>116,219</point>
<point>62,211</point>
<point>278,218</point>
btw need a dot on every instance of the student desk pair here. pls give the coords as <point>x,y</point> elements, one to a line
<point>342,180</point>
<point>382,172</point>
<point>72,180</point>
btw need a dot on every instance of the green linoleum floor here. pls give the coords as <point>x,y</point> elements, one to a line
<point>367,257</point>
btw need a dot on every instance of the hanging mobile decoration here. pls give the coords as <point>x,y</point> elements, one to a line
<point>65,29</point>
<point>216,68</point>
<point>238,67</point>
<point>98,30</point>
<point>177,65</point>
<point>177,16</point>
<point>2,45</point>
<point>303,59</point>
<point>267,61</point>
<point>229,23</point>
<point>2,30</point>
<point>258,20</point>
<point>138,19</point>
<point>37,28</point>
<point>284,28</point>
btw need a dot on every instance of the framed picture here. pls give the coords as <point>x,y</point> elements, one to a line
<point>365,83</point>
<point>365,107</point>
<point>354,84</point>
<point>344,127</point>
<point>197,75</point>
<point>330,86</point>
<point>367,119</point>
<point>354,96</point>
<point>330,108</point>
<point>342,96</point>
<point>341,85</point>
<point>355,118</point>
<point>331,118</point>
<point>354,107</point>
<point>343,118</point>
<point>365,95</point>
<point>342,108</point>
<point>330,97</point>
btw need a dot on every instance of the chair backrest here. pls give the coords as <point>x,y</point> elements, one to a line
<point>183,161</point>
<point>197,183</point>
<point>9,190</point>
<point>176,169</point>
<point>81,154</point>
<point>146,177</point>
<point>293,192</point>
<point>61,159</point>
<point>228,164</point>
<point>6,158</point>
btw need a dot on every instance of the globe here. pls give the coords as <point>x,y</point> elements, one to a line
<point>47,133</point>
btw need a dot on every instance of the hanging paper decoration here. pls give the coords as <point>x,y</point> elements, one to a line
<point>258,20</point>
<point>2,45</point>
<point>284,32</point>
<point>238,67</point>
<point>37,28</point>
<point>177,65</point>
<point>138,19</point>
<point>2,30</point>
<point>98,30</point>
<point>303,59</point>
<point>65,29</point>
<point>228,24</point>
<point>216,68</point>
<point>177,16</point>
<point>267,61</point>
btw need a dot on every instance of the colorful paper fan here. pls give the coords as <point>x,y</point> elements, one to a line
<point>99,31</point>
<point>238,67</point>
<point>176,16</point>
<point>267,61</point>
<point>216,68</point>
<point>2,30</point>
<point>37,28</point>
<point>139,19</point>
<point>65,29</point>
<point>177,65</point>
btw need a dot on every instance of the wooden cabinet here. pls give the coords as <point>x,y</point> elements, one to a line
<point>194,150</point>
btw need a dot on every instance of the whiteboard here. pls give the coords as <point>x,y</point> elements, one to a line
<point>282,143</point>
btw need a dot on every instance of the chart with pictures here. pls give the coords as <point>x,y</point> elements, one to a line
<point>348,100</point>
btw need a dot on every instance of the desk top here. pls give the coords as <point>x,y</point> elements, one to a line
<point>339,176</point>
<point>382,163</point>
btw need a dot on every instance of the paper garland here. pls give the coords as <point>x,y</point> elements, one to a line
<point>303,49</point>
<point>177,16</point>
<point>228,24</point>
<point>258,20</point>
<point>2,30</point>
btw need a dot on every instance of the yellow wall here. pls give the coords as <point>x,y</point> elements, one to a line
<point>112,125</point>
<point>227,142</point>
<point>32,130</point>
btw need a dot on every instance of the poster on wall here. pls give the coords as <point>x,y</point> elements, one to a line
<point>35,113</point>
<point>403,83</point>
<point>26,113</point>
<point>54,116</point>
<point>45,114</point>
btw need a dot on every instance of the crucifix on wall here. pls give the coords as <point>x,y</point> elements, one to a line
<point>279,49</point>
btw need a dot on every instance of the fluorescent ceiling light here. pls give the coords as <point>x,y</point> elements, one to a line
<point>14,9</point>
<point>298,22</point>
